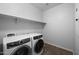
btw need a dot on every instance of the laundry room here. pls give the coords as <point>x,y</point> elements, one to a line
<point>39,28</point>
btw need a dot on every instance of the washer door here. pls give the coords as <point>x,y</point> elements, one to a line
<point>23,50</point>
<point>39,46</point>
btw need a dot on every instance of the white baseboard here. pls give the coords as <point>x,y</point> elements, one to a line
<point>60,47</point>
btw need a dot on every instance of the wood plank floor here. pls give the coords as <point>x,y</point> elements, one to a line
<point>52,50</point>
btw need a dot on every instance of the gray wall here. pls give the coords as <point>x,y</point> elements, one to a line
<point>24,10</point>
<point>59,29</point>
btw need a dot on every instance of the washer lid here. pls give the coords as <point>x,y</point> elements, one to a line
<point>23,50</point>
<point>39,46</point>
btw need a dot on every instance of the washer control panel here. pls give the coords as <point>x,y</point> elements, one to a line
<point>17,43</point>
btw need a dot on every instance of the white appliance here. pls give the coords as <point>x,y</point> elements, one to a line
<point>37,43</point>
<point>17,45</point>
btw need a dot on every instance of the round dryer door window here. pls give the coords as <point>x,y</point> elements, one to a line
<point>24,50</point>
<point>39,46</point>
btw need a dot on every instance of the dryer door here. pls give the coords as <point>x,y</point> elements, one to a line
<point>39,46</point>
<point>23,50</point>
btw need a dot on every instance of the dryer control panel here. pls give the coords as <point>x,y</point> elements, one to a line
<point>17,43</point>
<point>37,37</point>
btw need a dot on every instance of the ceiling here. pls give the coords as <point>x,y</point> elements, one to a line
<point>45,6</point>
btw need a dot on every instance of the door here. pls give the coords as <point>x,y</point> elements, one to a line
<point>23,50</point>
<point>77,28</point>
<point>38,46</point>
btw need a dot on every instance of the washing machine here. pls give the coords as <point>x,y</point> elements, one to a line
<point>37,43</point>
<point>17,45</point>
